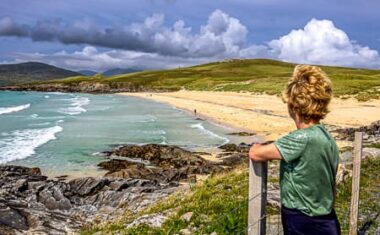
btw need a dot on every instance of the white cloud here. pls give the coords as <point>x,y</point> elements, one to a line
<point>221,34</point>
<point>320,42</point>
<point>151,44</point>
<point>91,58</point>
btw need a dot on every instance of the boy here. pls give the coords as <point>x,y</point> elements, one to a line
<point>309,157</point>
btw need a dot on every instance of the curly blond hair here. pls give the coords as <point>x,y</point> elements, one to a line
<point>308,92</point>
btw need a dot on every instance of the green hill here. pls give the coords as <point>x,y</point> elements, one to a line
<point>255,75</point>
<point>31,71</point>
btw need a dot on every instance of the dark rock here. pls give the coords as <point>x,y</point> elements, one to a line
<point>156,162</point>
<point>53,198</point>
<point>115,165</point>
<point>21,185</point>
<point>242,133</point>
<point>371,133</point>
<point>12,218</point>
<point>235,159</point>
<point>85,87</point>
<point>49,206</point>
<point>229,147</point>
<point>241,148</point>
<point>87,186</point>
<point>141,175</point>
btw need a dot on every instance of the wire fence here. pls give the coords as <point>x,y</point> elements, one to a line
<point>368,212</point>
<point>369,200</point>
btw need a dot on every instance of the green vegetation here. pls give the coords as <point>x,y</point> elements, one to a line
<point>31,71</point>
<point>220,204</point>
<point>374,145</point>
<point>369,205</point>
<point>257,75</point>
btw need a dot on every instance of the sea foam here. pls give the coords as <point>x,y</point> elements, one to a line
<point>76,106</point>
<point>21,144</point>
<point>4,110</point>
<point>200,127</point>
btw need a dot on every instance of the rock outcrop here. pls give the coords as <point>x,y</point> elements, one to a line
<point>157,162</point>
<point>31,203</point>
<point>84,87</point>
<point>137,177</point>
<point>371,133</point>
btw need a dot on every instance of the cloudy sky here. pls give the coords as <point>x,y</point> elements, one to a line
<point>153,34</point>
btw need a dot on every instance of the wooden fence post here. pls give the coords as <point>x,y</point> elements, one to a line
<point>356,162</point>
<point>257,197</point>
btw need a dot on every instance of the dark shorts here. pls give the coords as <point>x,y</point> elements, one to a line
<point>295,222</point>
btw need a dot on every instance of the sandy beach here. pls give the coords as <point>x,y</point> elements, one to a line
<point>265,115</point>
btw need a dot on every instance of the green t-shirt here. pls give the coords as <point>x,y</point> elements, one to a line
<point>308,170</point>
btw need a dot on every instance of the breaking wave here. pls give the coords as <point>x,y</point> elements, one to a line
<point>4,110</point>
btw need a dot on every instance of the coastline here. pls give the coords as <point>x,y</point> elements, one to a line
<point>266,115</point>
<point>86,196</point>
<point>96,172</point>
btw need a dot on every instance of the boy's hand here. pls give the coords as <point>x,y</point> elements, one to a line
<point>264,152</point>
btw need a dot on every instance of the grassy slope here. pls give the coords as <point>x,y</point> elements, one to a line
<point>215,201</point>
<point>220,204</point>
<point>257,75</point>
<point>31,71</point>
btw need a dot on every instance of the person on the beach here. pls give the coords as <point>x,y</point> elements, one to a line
<point>309,157</point>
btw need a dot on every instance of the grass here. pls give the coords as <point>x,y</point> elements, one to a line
<point>220,200</point>
<point>369,196</point>
<point>255,75</point>
<point>373,145</point>
<point>220,204</point>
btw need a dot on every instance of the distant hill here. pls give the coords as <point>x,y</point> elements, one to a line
<point>251,75</point>
<point>31,71</point>
<point>87,72</point>
<point>117,71</point>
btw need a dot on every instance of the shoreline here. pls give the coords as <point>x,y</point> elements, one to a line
<point>265,115</point>
<point>214,119</point>
<point>96,172</point>
<point>137,184</point>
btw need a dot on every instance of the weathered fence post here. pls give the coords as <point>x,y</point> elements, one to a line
<point>356,162</point>
<point>257,197</point>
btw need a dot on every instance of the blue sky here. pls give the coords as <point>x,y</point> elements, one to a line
<point>151,34</point>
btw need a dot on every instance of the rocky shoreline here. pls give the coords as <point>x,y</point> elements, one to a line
<point>137,177</point>
<point>84,87</point>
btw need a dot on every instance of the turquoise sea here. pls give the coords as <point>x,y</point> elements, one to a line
<point>63,133</point>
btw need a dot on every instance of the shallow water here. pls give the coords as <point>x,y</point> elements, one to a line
<point>62,133</point>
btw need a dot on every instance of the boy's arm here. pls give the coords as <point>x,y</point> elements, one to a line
<point>264,152</point>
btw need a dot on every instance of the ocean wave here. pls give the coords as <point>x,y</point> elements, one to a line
<point>4,110</point>
<point>164,139</point>
<point>56,93</point>
<point>40,124</point>
<point>76,106</point>
<point>148,118</point>
<point>21,144</point>
<point>200,127</point>
<point>153,132</point>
